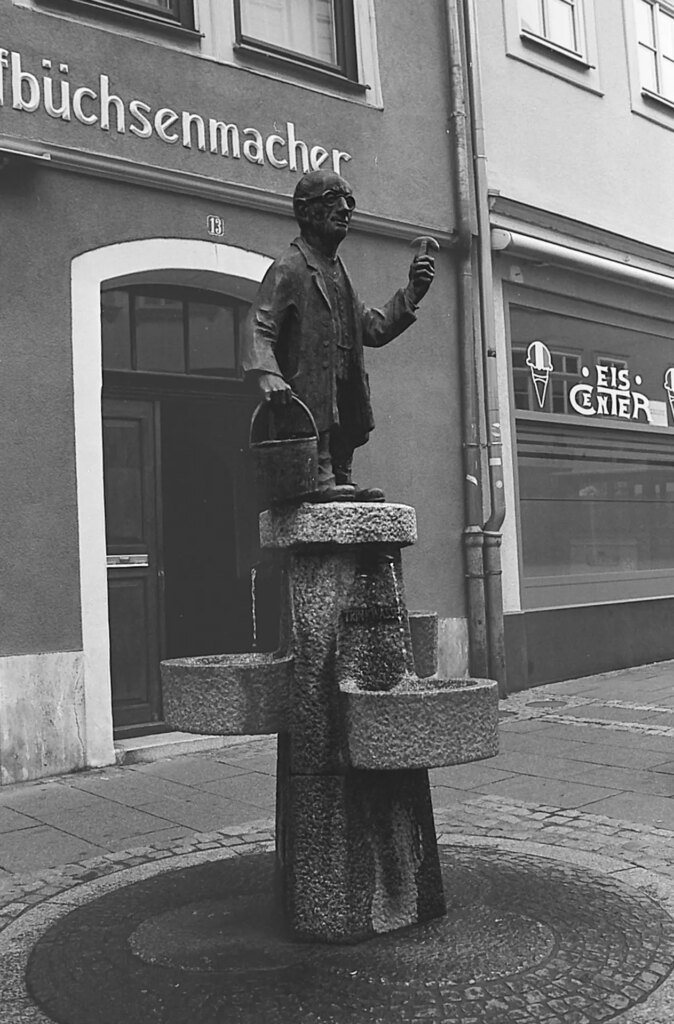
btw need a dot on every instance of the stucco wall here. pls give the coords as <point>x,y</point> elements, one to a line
<point>414,452</point>
<point>400,169</point>
<point>581,154</point>
<point>400,155</point>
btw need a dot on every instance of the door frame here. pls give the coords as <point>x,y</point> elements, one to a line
<point>89,272</point>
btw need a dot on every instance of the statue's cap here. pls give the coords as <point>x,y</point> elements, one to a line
<point>316,182</point>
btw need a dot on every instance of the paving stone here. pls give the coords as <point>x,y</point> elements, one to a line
<point>12,821</point>
<point>202,814</point>
<point>132,788</point>
<point>253,788</point>
<point>466,776</point>
<point>188,770</point>
<point>41,846</point>
<point>565,793</point>
<point>626,779</point>
<point>206,947</point>
<point>162,837</point>
<point>640,807</point>
<point>104,822</point>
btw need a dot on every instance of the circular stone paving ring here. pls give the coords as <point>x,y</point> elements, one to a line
<point>525,939</point>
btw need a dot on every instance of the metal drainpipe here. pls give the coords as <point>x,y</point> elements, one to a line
<point>470,431</point>
<point>492,527</point>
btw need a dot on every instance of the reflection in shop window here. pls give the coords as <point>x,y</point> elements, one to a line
<point>596,514</point>
<point>583,512</point>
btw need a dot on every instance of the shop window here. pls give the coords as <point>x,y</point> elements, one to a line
<point>596,515</point>
<point>549,388</point>
<point>318,33</point>
<point>655,41</point>
<point>594,425</point>
<point>185,331</point>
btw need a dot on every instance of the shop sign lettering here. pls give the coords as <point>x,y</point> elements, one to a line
<point>62,98</point>
<point>611,394</point>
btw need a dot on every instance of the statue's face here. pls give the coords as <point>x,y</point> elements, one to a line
<point>326,210</point>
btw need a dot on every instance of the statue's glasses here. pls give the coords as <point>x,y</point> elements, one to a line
<point>330,198</point>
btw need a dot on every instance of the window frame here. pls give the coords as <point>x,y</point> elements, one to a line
<point>546,40</point>
<point>644,102</point>
<point>580,67</point>
<point>186,295</point>
<point>657,8</point>
<point>345,69</point>
<point>182,21</point>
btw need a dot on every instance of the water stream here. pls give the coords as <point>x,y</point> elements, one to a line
<point>399,609</point>
<point>253,604</point>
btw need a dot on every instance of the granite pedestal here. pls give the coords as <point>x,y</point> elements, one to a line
<point>358,728</point>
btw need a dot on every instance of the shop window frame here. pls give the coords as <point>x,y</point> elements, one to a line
<point>621,435</point>
<point>579,68</point>
<point>345,70</point>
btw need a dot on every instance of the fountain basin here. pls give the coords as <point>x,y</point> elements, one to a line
<point>227,694</point>
<point>421,723</point>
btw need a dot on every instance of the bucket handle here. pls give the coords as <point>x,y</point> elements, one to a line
<point>264,404</point>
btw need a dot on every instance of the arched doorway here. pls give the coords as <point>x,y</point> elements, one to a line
<point>229,275</point>
<point>181,510</point>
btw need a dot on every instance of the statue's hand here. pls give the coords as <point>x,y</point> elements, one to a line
<point>422,272</point>
<point>274,389</point>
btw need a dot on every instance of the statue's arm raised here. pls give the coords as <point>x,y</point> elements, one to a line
<point>383,325</point>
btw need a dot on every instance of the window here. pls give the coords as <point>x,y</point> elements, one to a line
<point>596,515</point>
<point>547,390</point>
<point>556,22</point>
<point>181,331</point>
<point>593,392</point>
<point>655,38</point>
<point>169,13</point>
<point>319,33</point>
<point>555,36</point>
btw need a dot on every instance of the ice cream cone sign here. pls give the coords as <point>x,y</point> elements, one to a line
<point>669,387</point>
<point>539,362</point>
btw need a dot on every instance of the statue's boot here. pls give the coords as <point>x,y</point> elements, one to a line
<point>360,493</point>
<point>337,492</point>
<point>369,494</point>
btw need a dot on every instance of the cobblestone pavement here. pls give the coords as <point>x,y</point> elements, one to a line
<point>585,781</point>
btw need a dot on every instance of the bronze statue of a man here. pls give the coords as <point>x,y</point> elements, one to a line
<point>308,327</point>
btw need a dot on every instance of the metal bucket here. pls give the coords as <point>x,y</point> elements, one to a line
<point>286,468</point>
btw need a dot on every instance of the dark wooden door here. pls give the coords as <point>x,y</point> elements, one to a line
<point>133,528</point>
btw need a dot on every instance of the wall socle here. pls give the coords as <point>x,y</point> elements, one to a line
<point>42,700</point>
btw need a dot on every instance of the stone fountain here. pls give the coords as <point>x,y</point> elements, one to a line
<point>359,719</point>
<point>358,725</point>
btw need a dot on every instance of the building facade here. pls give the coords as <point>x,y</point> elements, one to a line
<point>578,108</point>
<point>149,152</point>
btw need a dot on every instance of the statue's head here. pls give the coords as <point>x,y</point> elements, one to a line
<point>323,203</point>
